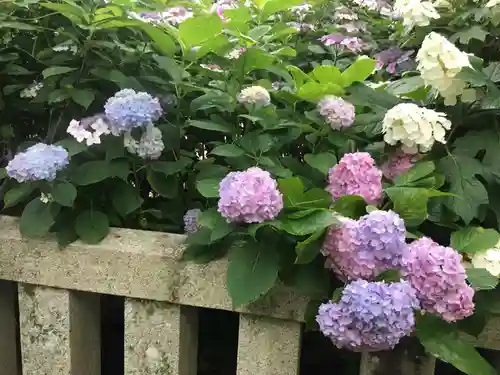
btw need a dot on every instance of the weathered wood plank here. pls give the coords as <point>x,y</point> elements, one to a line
<point>160,338</point>
<point>60,332</point>
<point>267,346</point>
<point>132,263</point>
<point>9,357</point>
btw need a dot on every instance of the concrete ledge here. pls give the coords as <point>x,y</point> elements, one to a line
<point>131,263</point>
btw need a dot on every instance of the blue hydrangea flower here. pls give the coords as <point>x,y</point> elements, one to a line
<point>39,162</point>
<point>191,220</point>
<point>128,109</point>
<point>370,316</point>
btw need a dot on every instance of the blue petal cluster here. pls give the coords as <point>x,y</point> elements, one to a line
<point>370,316</point>
<point>365,248</point>
<point>191,220</point>
<point>128,109</point>
<point>39,162</point>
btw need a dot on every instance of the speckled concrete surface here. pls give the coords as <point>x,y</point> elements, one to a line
<point>131,263</point>
<point>268,346</point>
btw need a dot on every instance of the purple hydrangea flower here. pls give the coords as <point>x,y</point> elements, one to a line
<point>336,111</point>
<point>370,316</point>
<point>365,248</point>
<point>398,163</point>
<point>356,174</point>
<point>251,196</point>
<point>437,274</point>
<point>191,220</point>
<point>392,57</point>
<point>128,109</point>
<point>38,162</point>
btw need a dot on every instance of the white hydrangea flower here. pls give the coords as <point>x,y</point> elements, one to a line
<point>488,259</point>
<point>492,3</point>
<point>150,146</point>
<point>46,198</point>
<point>415,12</point>
<point>89,130</point>
<point>31,91</point>
<point>439,61</point>
<point>254,95</point>
<point>417,128</point>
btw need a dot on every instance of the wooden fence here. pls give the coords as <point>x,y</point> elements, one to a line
<point>56,294</point>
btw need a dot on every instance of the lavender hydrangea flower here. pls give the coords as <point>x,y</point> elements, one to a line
<point>352,43</point>
<point>365,248</point>
<point>437,274</point>
<point>38,162</point>
<point>356,174</point>
<point>128,109</point>
<point>370,316</point>
<point>336,111</point>
<point>191,220</point>
<point>251,196</point>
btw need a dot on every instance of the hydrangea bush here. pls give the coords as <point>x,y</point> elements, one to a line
<point>345,150</point>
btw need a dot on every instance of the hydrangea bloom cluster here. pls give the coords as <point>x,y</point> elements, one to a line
<point>89,129</point>
<point>38,162</point>
<point>191,220</point>
<point>438,276</point>
<point>352,43</point>
<point>488,259</point>
<point>391,58</point>
<point>251,196</point>
<point>356,174</point>
<point>31,91</point>
<point>173,16</point>
<point>439,62</point>
<point>398,163</point>
<point>370,316</point>
<point>336,111</point>
<point>417,128</point>
<point>128,109</point>
<point>365,248</point>
<point>415,12</point>
<point>257,95</point>
<point>150,146</point>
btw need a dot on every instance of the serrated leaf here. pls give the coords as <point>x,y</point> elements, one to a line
<point>352,206</point>
<point>172,67</point>
<point>166,186</point>
<point>252,271</point>
<point>474,239</point>
<point>464,36</point>
<point>210,125</point>
<point>318,220</point>
<point>419,171</point>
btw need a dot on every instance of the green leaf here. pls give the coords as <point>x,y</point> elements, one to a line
<point>318,220</point>
<point>229,150</point>
<point>169,168</point>
<point>493,71</point>
<point>474,239</point>
<point>409,203</point>
<point>72,146</point>
<point>202,254</point>
<point>161,39</point>
<point>82,97</point>
<point>481,279</point>
<point>464,36</point>
<point>392,275</point>
<point>17,194</point>
<point>91,172</point>
<point>440,340</point>
<point>352,206</point>
<point>210,125</point>
<point>470,193</point>
<point>56,70</point>
<point>164,185</point>
<point>360,70</point>
<point>322,161</point>
<point>274,6</point>
<point>37,218</point>
<point>221,229</point>
<point>197,30</point>
<point>3,173</point>
<point>252,271</point>
<point>172,67</point>
<point>209,187</point>
<point>92,226</point>
<point>309,249</point>
<point>419,171</point>
<point>314,91</point>
<point>126,199</point>
<point>64,193</point>
<point>327,74</point>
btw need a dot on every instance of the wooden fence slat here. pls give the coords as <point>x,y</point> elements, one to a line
<point>268,346</point>
<point>403,360</point>
<point>60,331</point>
<point>9,356</point>
<point>160,338</point>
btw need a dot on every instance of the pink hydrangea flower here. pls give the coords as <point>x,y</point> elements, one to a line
<point>437,274</point>
<point>356,174</point>
<point>251,196</point>
<point>398,163</point>
<point>336,111</point>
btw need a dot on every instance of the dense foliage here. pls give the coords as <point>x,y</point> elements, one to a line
<point>319,145</point>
